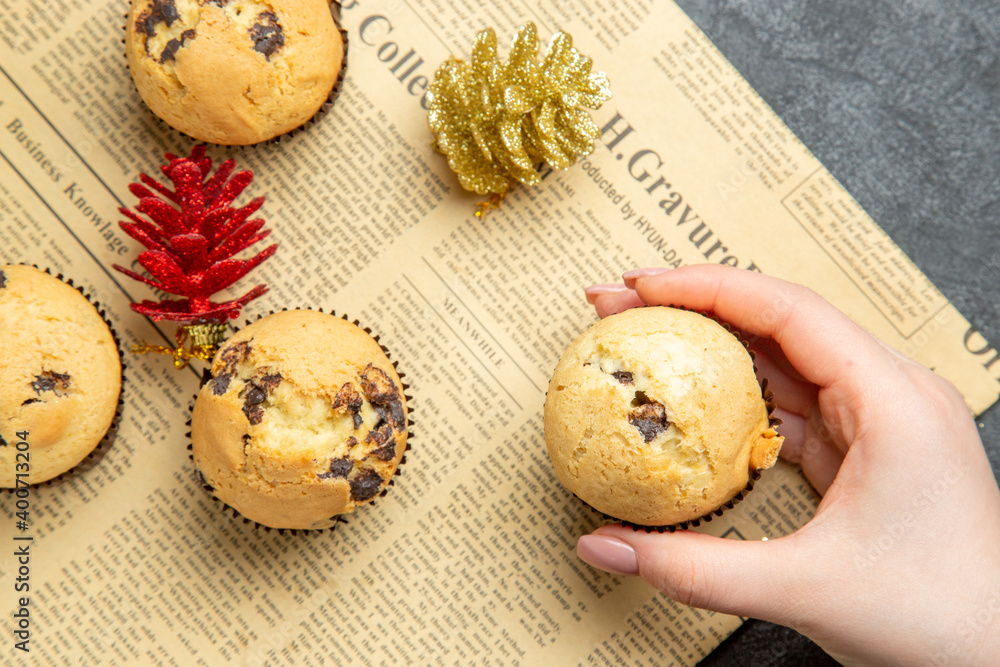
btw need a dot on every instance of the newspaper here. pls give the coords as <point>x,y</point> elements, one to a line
<point>469,559</point>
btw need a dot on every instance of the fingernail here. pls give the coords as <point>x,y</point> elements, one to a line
<point>607,553</point>
<point>605,288</point>
<point>631,276</point>
<point>595,291</point>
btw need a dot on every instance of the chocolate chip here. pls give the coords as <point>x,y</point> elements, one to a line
<point>234,354</point>
<point>349,398</point>
<point>390,417</point>
<point>267,34</point>
<point>383,415</point>
<point>144,26</point>
<point>377,386</point>
<point>3,280</point>
<point>43,384</point>
<point>269,382</point>
<point>29,402</point>
<point>255,396</point>
<point>254,413</point>
<point>397,416</point>
<point>167,9</point>
<point>340,468</point>
<point>170,50</point>
<point>220,385</point>
<point>366,485</point>
<point>380,435</point>
<point>386,452</point>
<point>162,11</point>
<point>3,443</point>
<point>623,376</point>
<point>640,399</point>
<point>351,441</point>
<point>650,419</point>
<point>48,380</point>
<point>380,390</point>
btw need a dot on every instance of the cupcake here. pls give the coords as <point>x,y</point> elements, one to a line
<point>233,72</point>
<point>303,419</point>
<point>655,417</point>
<point>61,376</point>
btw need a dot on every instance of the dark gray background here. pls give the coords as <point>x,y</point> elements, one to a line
<point>901,101</point>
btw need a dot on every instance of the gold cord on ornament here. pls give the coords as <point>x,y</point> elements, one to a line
<point>483,208</point>
<point>202,339</point>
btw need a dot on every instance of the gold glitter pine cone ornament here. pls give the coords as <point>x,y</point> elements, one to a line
<point>496,121</point>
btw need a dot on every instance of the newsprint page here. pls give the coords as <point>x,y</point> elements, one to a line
<point>470,557</point>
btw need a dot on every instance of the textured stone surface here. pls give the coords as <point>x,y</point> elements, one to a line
<point>900,100</point>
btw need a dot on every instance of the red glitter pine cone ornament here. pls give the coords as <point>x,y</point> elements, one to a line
<point>192,234</point>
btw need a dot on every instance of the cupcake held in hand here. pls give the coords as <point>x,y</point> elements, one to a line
<point>654,416</point>
<point>303,419</point>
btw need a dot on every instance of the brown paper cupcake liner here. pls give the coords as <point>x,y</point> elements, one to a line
<point>108,439</point>
<point>340,518</point>
<point>772,422</point>
<point>338,85</point>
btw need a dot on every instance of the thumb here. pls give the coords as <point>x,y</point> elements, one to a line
<point>728,576</point>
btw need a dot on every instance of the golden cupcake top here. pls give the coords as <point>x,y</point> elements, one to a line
<point>60,375</point>
<point>304,419</point>
<point>655,416</point>
<point>233,72</point>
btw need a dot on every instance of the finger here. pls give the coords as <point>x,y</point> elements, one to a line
<point>790,393</point>
<point>902,360</point>
<point>793,430</point>
<point>821,463</point>
<point>820,459</point>
<point>729,576</point>
<point>757,343</point>
<point>822,343</point>
<point>609,304</point>
<point>769,347</point>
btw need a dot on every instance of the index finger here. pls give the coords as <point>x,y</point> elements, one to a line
<point>822,343</point>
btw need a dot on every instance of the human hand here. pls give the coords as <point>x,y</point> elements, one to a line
<point>901,562</point>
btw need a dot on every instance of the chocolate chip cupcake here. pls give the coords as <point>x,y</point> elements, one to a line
<point>234,72</point>
<point>60,376</point>
<point>654,416</point>
<point>302,420</point>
